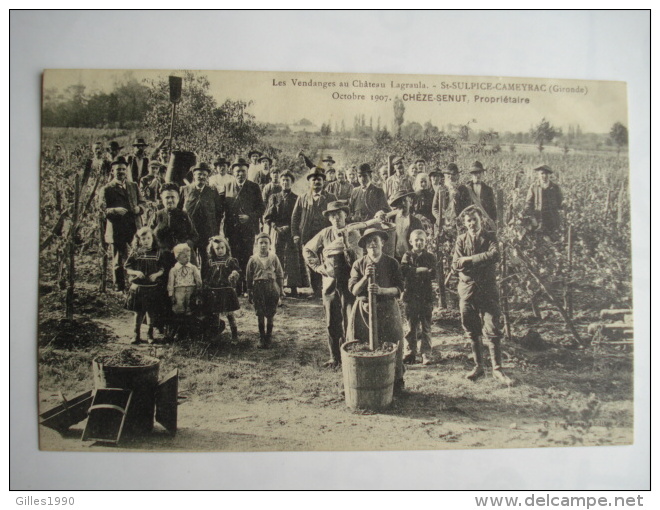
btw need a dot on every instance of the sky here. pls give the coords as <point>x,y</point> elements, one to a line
<point>501,104</point>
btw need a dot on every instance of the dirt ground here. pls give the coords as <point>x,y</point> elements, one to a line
<point>239,398</point>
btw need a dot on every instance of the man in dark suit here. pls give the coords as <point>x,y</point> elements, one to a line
<point>367,199</point>
<point>450,200</point>
<point>205,206</point>
<point>308,219</point>
<point>122,205</point>
<point>482,196</point>
<point>138,162</point>
<point>243,214</point>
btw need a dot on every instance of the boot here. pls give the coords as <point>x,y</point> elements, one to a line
<point>136,337</point>
<point>262,337</point>
<point>477,356</point>
<point>496,362</point>
<point>269,334</point>
<point>234,329</point>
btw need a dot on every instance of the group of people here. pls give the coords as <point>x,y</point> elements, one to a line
<point>239,228</point>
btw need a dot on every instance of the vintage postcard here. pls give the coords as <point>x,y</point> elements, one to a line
<point>287,261</point>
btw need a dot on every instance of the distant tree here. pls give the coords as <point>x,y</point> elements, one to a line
<point>619,135</point>
<point>430,130</point>
<point>543,134</point>
<point>412,130</point>
<point>305,122</point>
<point>399,110</point>
<point>325,129</point>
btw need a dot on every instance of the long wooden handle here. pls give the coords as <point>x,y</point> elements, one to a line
<point>373,318</point>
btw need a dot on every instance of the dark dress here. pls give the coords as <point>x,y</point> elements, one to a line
<point>278,214</point>
<point>220,293</point>
<point>143,294</point>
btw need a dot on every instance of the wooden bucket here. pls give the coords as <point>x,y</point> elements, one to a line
<point>143,381</point>
<point>368,379</point>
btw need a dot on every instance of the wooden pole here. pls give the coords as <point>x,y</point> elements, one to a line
<point>607,203</point>
<point>504,298</point>
<point>72,250</point>
<point>568,291</point>
<point>500,208</point>
<point>619,215</point>
<point>373,318</point>
<point>169,145</point>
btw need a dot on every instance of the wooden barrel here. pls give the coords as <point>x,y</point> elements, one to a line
<point>142,381</point>
<point>368,379</point>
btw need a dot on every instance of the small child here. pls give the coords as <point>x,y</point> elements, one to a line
<point>184,282</point>
<point>418,268</point>
<point>145,267</point>
<point>264,277</point>
<point>220,277</point>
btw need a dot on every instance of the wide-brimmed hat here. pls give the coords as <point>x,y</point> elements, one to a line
<point>420,160</point>
<point>364,168</point>
<point>287,173</point>
<point>376,229</point>
<point>397,159</point>
<point>435,171</point>
<point>477,167</point>
<point>316,172</point>
<point>114,146</point>
<point>337,205</point>
<point>451,169</point>
<point>202,167</point>
<point>264,157</point>
<point>328,159</point>
<point>258,153</point>
<point>220,161</point>
<point>156,163</point>
<point>121,160</point>
<point>400,194</point>
<point>139,142</point>
<point>240,162</point>
<point>543,168</point>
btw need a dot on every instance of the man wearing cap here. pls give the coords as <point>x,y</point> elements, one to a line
<point>150,184</point>
<point>404,222</point>
<point>544,201</point>
<point>475,259</point>
<point>263,177</point>
<point>308,219</point>
<point>367,199</point>
<point>99,163</point>
<point>273,185</point>
<point>254,168</point>
<point>436,179</point>
<point>399,181</point>
<point>205,206</point>
<point>244,211</point>
<point>122,205</point>
<point>278,216</point>
<point>340,187</point>
<point>387,286</point>
<point>331,253</point>
<point>221,179</point>
<point>138,163</point>
<point>450,199</point>
<point>482,195</point>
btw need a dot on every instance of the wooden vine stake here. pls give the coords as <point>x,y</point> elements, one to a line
<point>504,298</point>
<point>568,291</point>
<point>71,249</point>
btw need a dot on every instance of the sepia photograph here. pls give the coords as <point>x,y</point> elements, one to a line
<point>251,261</point>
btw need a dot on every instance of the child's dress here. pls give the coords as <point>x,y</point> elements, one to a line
<point>261,275</point>
<point>221,294</point>
<point>182,284</point>
<point>143,294</point>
